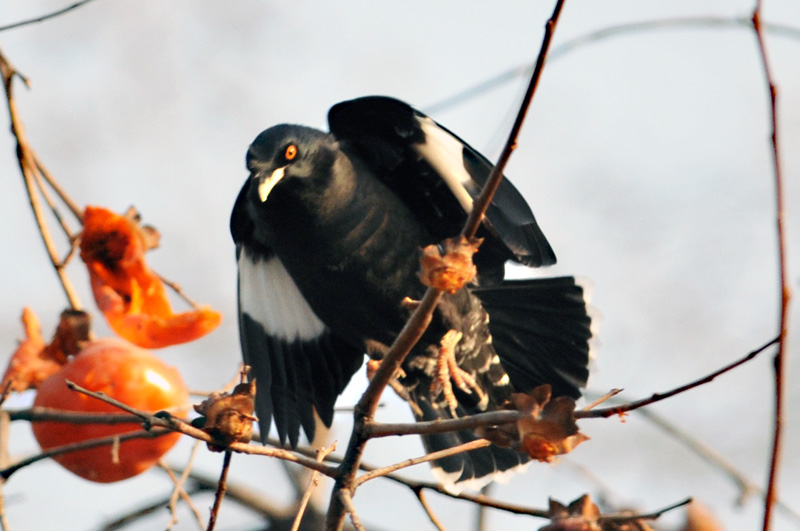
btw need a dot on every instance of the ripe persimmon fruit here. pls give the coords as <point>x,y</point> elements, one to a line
<point>127,373</point>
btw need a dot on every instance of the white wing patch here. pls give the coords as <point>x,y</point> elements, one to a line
<point>269,295</point>
<point>446,155</point>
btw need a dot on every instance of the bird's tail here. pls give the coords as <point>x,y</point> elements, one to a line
<point>541,330</point>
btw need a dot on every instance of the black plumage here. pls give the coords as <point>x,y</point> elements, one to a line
<point>329,229</point>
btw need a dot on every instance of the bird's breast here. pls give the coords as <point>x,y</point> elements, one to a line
<point>354,266</point>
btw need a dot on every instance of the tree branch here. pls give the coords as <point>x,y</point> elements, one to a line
<point>222,486</point>
<point>433,456</point>
<point>83,445</point>
<point>165,420</point>
<point>44,17</point>
<point>657,397</point>
<point>29,169</point>
<point>784,290</point>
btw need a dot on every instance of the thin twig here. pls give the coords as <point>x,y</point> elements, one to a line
<point>6,391</point>
<point>179,491</point>
<point>492,418</point>
<point>601,399</point>
<point>493,182</point>
<point>40,184</point>
<point>785,290</point>
<point>28,167</point>
<point>436,487</point>
<point>221,487</point>
<point>460,449</point>
<point>365,408</point>
<point>84,445</point>
<point>347,502</point>
<point>617,30</point>
<point>176,424</point>
<point>624,518</point>
<point>243,495</point>
<point>5,429</point>
<point>76,210</point>
<point>125,519</point>
<point>428,510</point>
<point>313,481</point>
<point>46,414</point>
<point>482,516</point>
<point>657,397</point>
<point>44,17</point>
<point>174,286</point>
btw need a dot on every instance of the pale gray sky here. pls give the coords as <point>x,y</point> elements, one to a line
<point>645,159</point>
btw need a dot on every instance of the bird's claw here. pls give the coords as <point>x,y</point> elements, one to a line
<point>448,373</point>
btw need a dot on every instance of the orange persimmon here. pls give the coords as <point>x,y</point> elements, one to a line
<point>122,371</point>
<point>130,295</point>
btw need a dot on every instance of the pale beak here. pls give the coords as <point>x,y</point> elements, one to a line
<point>265,186</point>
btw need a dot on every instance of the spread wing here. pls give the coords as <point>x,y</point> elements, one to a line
<point>439,176</point>
<point>299,365</point>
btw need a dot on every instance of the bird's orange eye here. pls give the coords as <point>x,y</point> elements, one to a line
<point>291,152</point>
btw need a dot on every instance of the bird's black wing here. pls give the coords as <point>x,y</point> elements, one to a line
<point>439,175</point>
<point>300,366</point>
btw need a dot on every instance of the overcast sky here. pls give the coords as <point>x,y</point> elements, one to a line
<point>646,160</point>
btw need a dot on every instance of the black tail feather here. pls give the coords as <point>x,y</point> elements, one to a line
<point>468,470</point>
<point>541,330</point>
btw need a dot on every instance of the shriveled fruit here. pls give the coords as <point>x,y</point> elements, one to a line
<point>127,373</point>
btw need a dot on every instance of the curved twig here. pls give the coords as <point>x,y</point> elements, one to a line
<point>657,397</point>
<point>616,30</point>
<point>44,17</point>
<point>785,290</point>
<point>29,169</point>
<point>222,486</point>
<point>84,445</point>
<point>165,420</point>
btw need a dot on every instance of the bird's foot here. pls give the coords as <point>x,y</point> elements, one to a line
<point>448,373</point>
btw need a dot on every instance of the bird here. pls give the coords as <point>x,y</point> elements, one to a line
<point>329,229</point>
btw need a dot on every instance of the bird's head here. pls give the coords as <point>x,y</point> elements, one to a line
<point>287,157</point>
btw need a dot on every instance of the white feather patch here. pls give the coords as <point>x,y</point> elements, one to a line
<point>446,154</point>
<point>269,295</point>
<point>447,480</point>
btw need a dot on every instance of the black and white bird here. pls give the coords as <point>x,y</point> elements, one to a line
<point>329,229</point>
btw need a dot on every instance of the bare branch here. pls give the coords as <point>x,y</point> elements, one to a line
<point>460,449</point>
<point>657,397</point>
<point>617,30</point>
<point>28,167</point>
<point>180,492</point>
<point>424,502</point>
<point>44,17</point>
<point>624,518</point>
<point>222,486</point>
<point>174,286</point>
<point>322,453</point>
<point>76,210</point>
<point>5,428</point>
<point>492,418</point>
<point>41,414</point>
<point>164,420</point>
<point>347,502</point>
<point>84,445</point>
<point>784,289</point>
